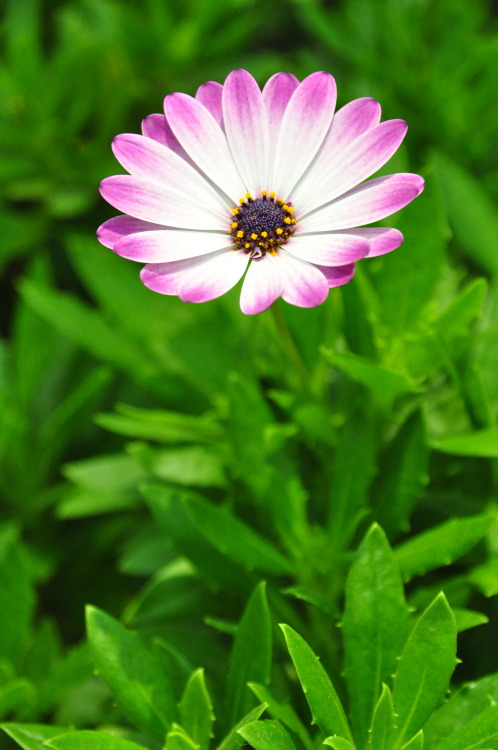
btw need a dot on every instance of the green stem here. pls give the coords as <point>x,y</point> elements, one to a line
<point>290,350</point>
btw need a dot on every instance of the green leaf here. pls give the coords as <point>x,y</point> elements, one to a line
<point>191,465</point>
<point>88,740</point>
<point>326,708</point>
<point>416,742</point>
<point>155,424</point>
<point>283,712</point>
<point>31,736</point>
<point>481,443</point>
<point>374,625</point>
<point>267,735</point>
<point>235,539</point>
<point>441,545</point>
<point>339,743</point>
<point>250,659</point>
<point>133,675</point>
<point>384,383</point>
<point>469,207</point>
<point>17,595</point>
<point>178,739</point>
<point>402,476</point>
<point>475,734</point>
<point>383,722</point>
<point>425,668</point>
<point>196,710</point>
<point>468,618</point>
<point>233,740</point>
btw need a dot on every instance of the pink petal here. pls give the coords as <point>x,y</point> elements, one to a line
<point>144,157</point>
<point>349,166</point>
<point>276,95</point>
<point>381,240</point>
<point>170,244</point>
<point>338,276</point>
<point>150,201</point>
<point>262,285</point>
<point>305,123</point>
<point>366,203</point>
<point>156,127</point>
<point>246,127</point>
<point>209,94</point>
<point>197,279</point>
<point>305,285</point>
<point>328,249</point>
<point>351,121</point>
<point>204,141</point>
<point>112,230</point>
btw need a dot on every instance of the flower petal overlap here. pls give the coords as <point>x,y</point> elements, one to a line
<point>266,185</point>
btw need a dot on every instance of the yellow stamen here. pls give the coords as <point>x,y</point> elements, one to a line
<point>240,233</point>
<point>280,230</point>
<point>254,236</point>
<point>287,220</point>
<point>272,194</point>
<point>234,225</point>
<point>235,211</point>
<point>248,196</point>
<point>264,234</point>
<point>264,192</point>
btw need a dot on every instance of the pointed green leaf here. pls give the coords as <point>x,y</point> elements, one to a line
<point>31,736</point>
<point>236,539</point>
<point>425,668</point>
<point>339,743</point>
<point>17,595</point>
<point>267,735</point>
<point>133,675</point>
<point>481,729</point>
<point>464,705</point>
<point>481,443</point>
<point>178,739</point>
<point>416,743</point>
<point>233,740</point>
<point>375,626</point>
<point>196,710</point>
<point>250,659</point>
<point>89,740</point>
<point>383,722</point>
<point>441,545</point>
<point>326,708</point>
<point>283,712</point>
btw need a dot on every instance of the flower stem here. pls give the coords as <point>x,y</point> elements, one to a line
<point>290,350</point>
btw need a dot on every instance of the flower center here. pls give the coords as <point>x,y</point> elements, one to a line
<point>262,225</point>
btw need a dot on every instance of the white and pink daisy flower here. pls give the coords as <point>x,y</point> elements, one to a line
<point>268,184</point>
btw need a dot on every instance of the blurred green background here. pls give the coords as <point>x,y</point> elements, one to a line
<point>80,334</point>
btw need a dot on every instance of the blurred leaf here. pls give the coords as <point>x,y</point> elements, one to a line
<point>88,740</point>
<point>196,710</point>
<point>374,626</point>
<point>192,465</point>
<point>31,736</point>
<point>467,618</point>
<point>17,595</point>
<point>132,674</point>
<point>482,443</point>
<point>402,476</point>
<point>326,708</point>
<point>250,658</point>
<point>425,667</point>
<point>476,733</point>
<point>163,426</point>
<point>470,211</point>
<point>235,539</point>
<point>178,739</point>
<point>416,743</point>
<point>267,735</point>
<point>338,743</point>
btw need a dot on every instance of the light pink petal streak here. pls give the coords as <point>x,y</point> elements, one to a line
<point>144,157</point>
<point>204,141</point>
<point>305,285</point>
<point>276,95</point>
<point>113,230</point>
<point>305,123</point>
<point>262,285</point>
<point>381,240</point>
<point>246,127</point>
<point>156,127</point>
<point>209,94</point>
<point>170,244</point>
<point>150,201</point>
<point>328,249</point>
<point>350,165</point>
<point>367,203</point>
<point>351,121</point>
<point>197,279</point>
<point>338,276</point>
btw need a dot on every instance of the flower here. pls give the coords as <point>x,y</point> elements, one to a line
<point>268,184</point>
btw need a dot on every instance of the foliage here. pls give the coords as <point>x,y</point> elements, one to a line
<point>198,478</point>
